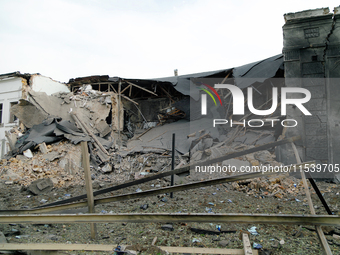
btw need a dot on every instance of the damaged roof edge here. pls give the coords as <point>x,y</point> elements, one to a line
<point>257,71</point>
<point>14,74</point>
<point>244,75</point>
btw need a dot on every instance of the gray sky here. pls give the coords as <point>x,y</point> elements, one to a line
<point>140,38</point>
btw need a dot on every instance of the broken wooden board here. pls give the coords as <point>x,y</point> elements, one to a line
<point>110,248</point>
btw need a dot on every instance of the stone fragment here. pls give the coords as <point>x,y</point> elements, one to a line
<point>41,186</point>
<point>167,227</point>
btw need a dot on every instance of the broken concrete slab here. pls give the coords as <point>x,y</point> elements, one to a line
<point>103,128</point>
<point>41,186</point>
<point>52,156</point>
<point>28,113</point>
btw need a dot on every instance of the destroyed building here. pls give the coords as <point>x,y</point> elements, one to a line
<point>129,126</point>
<point>117,113</point>
<point>13,87</point>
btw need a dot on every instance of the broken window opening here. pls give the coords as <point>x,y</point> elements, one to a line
<point>109,117</point>
<point>12,117</point>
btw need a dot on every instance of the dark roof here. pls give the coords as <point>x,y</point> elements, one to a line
<point>243,76</point>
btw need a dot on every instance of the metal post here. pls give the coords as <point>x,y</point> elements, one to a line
<point>173,162</point>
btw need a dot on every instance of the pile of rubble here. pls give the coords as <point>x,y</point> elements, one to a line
<point>47,143</point>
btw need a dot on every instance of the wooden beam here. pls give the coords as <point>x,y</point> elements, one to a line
<point>192,250</point>
<point>167,93</point>
<point>129,99</point>
<point>246,245</point>
<point>114,90</point>
<point>225,78</point>
<point>296,219</point>
<point>56,247</point>
<point>149,91</point>
<point>139,136</point>
<point>88,185</point>
<point>110,248</point>
<point>125,89</point>
<point>88,131</point>
<point>119,113</point>
<point>319,231</point>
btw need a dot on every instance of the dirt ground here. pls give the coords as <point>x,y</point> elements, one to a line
<point>223,198</point>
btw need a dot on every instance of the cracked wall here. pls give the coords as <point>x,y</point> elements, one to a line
<point>311,49</point>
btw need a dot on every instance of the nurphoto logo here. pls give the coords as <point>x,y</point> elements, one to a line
<point>239,100</point>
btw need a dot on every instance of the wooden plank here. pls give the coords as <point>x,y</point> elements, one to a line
<point>141,88</point>
<point>125,89</point>
<point>56,247</point>
<point>179,170</point>
<point>246,245</point>
<point>119,113</point>
<point>109,248</point>
<point>129,99</point>
<point>225,78</point>
<point>191,250</point>
<point>114,90</point>
<point>87,131</point>
<point>88,185</point>
<point>319,231</point>
<point>296,219</point>
<point>157,136</point>
<point>139,136</point>
<point>154,240</point>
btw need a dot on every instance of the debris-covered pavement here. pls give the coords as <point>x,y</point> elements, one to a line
<point>61,165</point>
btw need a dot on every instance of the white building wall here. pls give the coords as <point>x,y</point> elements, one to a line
<point>10,92</point>
<point>45,84</point>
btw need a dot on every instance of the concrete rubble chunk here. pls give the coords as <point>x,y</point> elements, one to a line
<point>103,128</point>
<point>52,156</point>
<point>41,186</point>
<point>43,148</point>
<point>167,227</point>
<point>28,113</point>
<point>223,243</point>
<point>107,168</point>
<point>2,238</point>
<point>28,153</point>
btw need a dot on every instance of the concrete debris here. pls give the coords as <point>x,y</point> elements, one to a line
<point>51,156</point>
<point>41,186</point>
<point>2,238</point>
<point>167,227</point>
<point>107,168</point>
<point>28,153</point>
